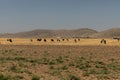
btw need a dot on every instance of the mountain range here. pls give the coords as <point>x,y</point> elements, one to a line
<point>83,32</point>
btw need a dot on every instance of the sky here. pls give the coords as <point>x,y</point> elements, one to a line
<point>25,15</point>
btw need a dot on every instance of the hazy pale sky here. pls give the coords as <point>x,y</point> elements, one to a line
<point>24,15</point>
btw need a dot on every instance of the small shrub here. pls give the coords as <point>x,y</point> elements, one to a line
<point>52,62</point>
<point>3,77</point>
<point>35,77</point>
<point>64,67</point>
<point>21,51</point>
<point>44,61</point>
<point>71,64</point>
<point>27,71</point>
<point>99,64</point>
<point>105,71</point>
<point>86,73</point>
<point>51,67</point>
<point>18,77</point>
<point>15,69</point>
<point>72,77</point>
<point>59,59</point>
<point>55,72</point>
<point>92,71</point>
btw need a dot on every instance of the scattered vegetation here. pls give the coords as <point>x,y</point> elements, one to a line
<point>34,77</point>
<point>60,66</point>
<point>4,77</point>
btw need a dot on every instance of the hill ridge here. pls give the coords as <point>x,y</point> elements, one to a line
<point>82,32</point>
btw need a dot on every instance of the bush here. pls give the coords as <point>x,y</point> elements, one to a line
<point>3,77</point>
<point>72,77</point>
<point>35,78</point>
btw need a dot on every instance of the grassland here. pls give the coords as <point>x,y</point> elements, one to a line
<point>52,62</point>
<point>82,42</point>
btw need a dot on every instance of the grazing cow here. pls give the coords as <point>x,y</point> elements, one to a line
<point>67,39</point>
<point>63,39</point>
<point>58,40</point>
<point>39,39</point>
<point>52,40</point>
<point>10,40</point>
<point>75,40</point>
<point>31,40</point>
<point>45,40</point>
<point>78,39</point>
<point>103,41</point>
<point>117,39</point>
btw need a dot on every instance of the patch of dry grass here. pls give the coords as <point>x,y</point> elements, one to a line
<point>82,42</point>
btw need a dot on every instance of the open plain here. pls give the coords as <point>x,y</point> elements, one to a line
<point>86,59</point>
<point>66,41</point>
<point>59,39</point>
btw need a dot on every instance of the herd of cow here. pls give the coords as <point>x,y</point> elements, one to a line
<point>58,40</point>
<point>45,40</point>
<point>103,41</point>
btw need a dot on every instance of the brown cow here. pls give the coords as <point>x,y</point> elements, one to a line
<point>103,41</point>
<point>75,40</point>
<point>58,40</point>
<point>78,39</point>
<point>31,40</point>
<point>67,39</point>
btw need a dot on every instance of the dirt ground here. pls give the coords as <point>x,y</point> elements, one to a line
<point>53,62</point>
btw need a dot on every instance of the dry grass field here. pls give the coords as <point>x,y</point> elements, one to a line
<point>27,41</point>
<point>53,62</point>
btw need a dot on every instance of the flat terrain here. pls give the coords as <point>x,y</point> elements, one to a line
<point>71,41</point>
<point>52,62</point>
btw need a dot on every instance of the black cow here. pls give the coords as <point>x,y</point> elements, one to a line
<point>10,40</point>
<point>45,40</point>
<point>52,40</point>
<point>39,39</point>
<point>117,39</point>
<point>63,39</point>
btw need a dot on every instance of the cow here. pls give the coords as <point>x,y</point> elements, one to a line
<point>39,39</point>
<point>78,39</point>
<point>63,39</point>
<point>31,40</point>
<point>58,40</point>
<point>75,40</point>
<point>10,40</point>
<point>67,39</point>
<point>103,41</point>
<point>117,39</point>
<point>52,40</point>
<point>45,40</point>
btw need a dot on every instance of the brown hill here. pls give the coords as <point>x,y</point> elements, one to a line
<point>83,32</point>
<point>110,33</point>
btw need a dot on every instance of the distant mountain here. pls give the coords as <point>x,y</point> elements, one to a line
<point>110,33</point>
<point>83,32</point>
